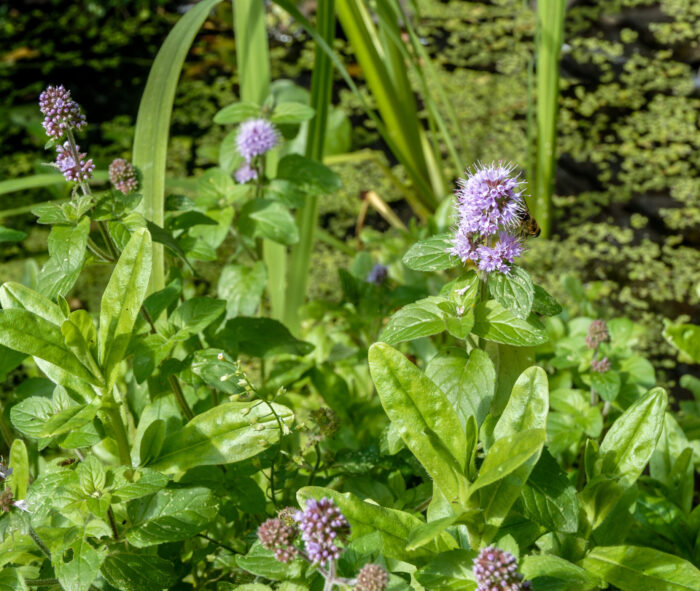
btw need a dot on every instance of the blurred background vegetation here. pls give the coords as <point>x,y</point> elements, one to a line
<point>627,191</point>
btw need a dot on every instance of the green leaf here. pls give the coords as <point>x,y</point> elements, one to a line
<point>67,247</point>
<point>607,384</point>
<point>427,532</point>
<point>70,419</point>
<point>510,363</point>
<point>514,291</point>
<point>213,185</point>
<point>432,254</point>
<point>468,382</point>
<point>136,572</point>
<point>132,483</point>
<point>121,302</point>
<point>81,337</point>
<point>92,475</point>
<point>544,566</point>
<point>631,440</point>
<point>10,235</point>
<point>449,571</point>
<point>420,319</point>
<point>195,314</point>
<point>685,338</point>
<point>311,176</point>
<point>544,303</point>
<point>152,129</point>
<point>241,287</point>
<point>151,442</point>
<point>393,526</point>
<point>494,323</point>
<point>16,295</point>
<point>260,337</point>
<point>424,417</point>
<point>29,416</point>
<point>162,236</point>
<point>19,462</point>
<point>263,563</point>
<point>236,113</point>
<point>549,499</point>
<point>631,568</point>
<point>171,515</point>
<point>82,570</point>
<point>268,219</point>
<point>33,335</point>
<point>291,113</point>
<point>228,433</point>
<point>528,404</point>
<point>11,580</point>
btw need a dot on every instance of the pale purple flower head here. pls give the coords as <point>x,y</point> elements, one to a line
<point>60,111</point>
<point>371,577</point>
<point>73,165</point>
<point>489,198</point>
<point>377,274</point>
<point>489,210</point>
<point>497,570</point>
<point>245,174</point>
<point>322,525</point>
<point>122,175</point>
<point>255,137</point>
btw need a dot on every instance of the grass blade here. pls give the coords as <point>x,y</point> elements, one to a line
<point>153,122</point>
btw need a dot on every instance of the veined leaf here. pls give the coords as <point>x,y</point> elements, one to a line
<point>420,319</point>
<point>136,572</point>
<point>528,404</point>
<point>16,295</point>
<point>121,302</point>
<point>514,291</point>
<point>67,247</point>
<point>495,323</point>
<point>431,254</point>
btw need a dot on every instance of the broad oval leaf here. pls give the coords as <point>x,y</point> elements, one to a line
<point>527,406</point>
<point>171,515</point>
<point>268,219</point>
<point>121,302</point>
<point>241,287</point>
<point>495,323</point>
<point>135,572</point>
<point>82,570</point>
<point>631,568</point>
<point>67,248</point>
<point>424,417</point>
<point>630,442</point>
<point>16,295</point>
<point>420,319</point>
<point>228,433</point>
<point>514,290</point>
<point>431,254</point>
<point>291,113</point>
<point>236,113</point>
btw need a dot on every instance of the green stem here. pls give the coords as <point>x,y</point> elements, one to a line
<point>41,582</point>
<point>180,398</point>
<point>39,542</point>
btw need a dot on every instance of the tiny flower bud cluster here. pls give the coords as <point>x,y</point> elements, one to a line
<point>122,175</point>
<point>600,365</point>
<point>372,577</point>
<point>597,334</point>
<point>73,164</point>
<point>245,174</point>
<point>278,535</point>
<point>322,525</point>
<point>490,206</point>
<point>497,570</point>
<point>60,111</point>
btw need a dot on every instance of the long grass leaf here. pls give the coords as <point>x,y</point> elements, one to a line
<point>153,122</point>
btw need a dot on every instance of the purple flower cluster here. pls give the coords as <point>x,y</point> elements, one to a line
<point>60,111</point>
<point>278,535</point>
<point>490,209</point>
<point>245,174</point>
<point>122,175</point>
<point>597,334</point>
<point>255,137</point>
<point>322,525</point>
<point>72,163</point>
<point>371,577</point>
<point>497,570</point>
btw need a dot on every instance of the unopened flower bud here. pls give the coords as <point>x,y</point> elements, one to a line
<point>278,536</point>
<point>372,577</point>
<point>497,570</point>
<point>122,175</point>
<point>600,365</point>
<point>597,334</point>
